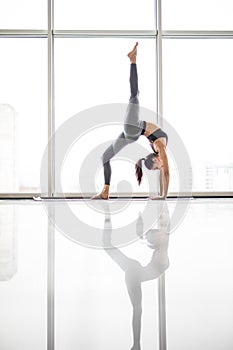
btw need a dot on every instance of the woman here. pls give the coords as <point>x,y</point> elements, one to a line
<point>133,129</point>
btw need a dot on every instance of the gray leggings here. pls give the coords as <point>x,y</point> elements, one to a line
<point>132,126</point>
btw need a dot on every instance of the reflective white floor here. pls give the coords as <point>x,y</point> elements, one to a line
<point>116,275</point>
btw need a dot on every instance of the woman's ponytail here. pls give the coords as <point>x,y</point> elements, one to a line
<point>139,173</point>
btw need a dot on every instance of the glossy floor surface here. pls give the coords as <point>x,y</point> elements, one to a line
<point>116,275</point>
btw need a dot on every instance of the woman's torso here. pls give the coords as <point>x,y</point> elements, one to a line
<point>150,129</point>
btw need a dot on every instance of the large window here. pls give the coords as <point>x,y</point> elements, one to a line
<point>23,14</point>
<point>94,72</point>
<point>60,58</point>
<point>23,113</point>
<point>104,14</point>
<point>197,15</point>
<point>197,78</point>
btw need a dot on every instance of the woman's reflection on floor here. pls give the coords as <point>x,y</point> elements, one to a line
<point>135,273</point>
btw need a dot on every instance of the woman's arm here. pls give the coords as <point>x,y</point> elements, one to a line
<point>164,175</point>
<point>164,184</point>
<point>161,183</point>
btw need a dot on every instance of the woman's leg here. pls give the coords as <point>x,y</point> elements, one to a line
<point>132,129</point>
<point>132,125</point>
<point>110,152</point>
<point>133,79</point>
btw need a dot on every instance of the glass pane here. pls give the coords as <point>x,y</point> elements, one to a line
<point>104,14</point>
<point>94,72</point>
<point>23,113</point>
<point>197,81</point>
<point>26,14</point>
<point>197,15</point>
<point>199,289</point>
<point>23,280</point>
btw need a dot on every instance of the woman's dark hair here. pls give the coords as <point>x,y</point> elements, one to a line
<point>148,161</point>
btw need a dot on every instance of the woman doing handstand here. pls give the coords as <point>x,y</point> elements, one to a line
<point>133,129</point>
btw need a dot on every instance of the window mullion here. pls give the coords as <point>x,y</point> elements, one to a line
<point>51,148</point>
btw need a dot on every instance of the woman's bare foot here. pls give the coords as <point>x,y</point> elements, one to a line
<point>99,196</point>
<point>133,54</point>
<point>104,194</point>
